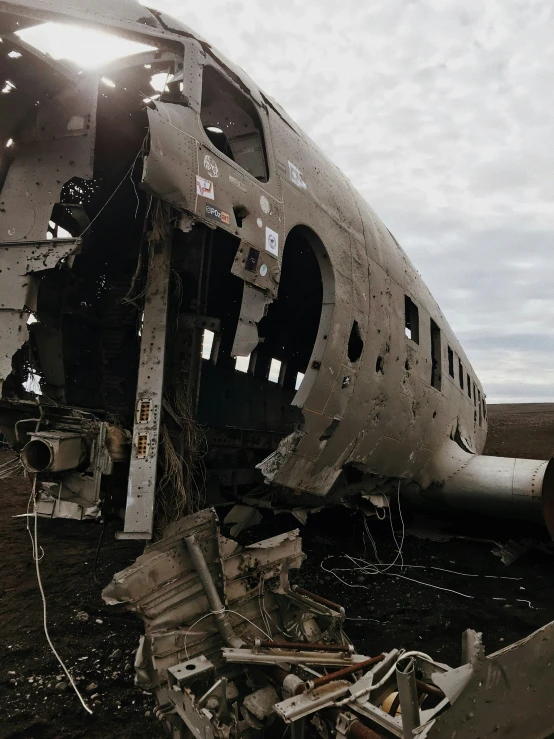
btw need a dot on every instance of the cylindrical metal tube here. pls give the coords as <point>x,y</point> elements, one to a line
<point>317,598</point>
<point>306,646</point>
<point>429,689</point>
<point>52,451</point>
<point>340,674</point>
<point>355,728</point>
<point>221,617</point>
<point>407,692</point>
<point>361,731</point>
<point>501,486</point>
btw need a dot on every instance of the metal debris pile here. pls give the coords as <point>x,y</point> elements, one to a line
<point>232,650</point>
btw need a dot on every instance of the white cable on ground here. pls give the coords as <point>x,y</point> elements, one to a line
<point>39,580</point>
<point>398,548</point>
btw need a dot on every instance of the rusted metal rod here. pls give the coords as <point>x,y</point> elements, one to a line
<point>305,646</point>
<point>356,729</point>
<point>361,731</point>
<point>317,598</point>
<point>429,689</point>
<point>339,674</point>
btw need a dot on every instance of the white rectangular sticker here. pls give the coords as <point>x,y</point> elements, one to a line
<point>296,176</point>
<point>271,241</point>
<point>204,187</point>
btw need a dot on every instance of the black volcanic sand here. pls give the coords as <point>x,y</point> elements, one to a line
<point>396,612</point>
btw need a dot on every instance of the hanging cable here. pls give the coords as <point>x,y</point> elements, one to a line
<point>34,540</point>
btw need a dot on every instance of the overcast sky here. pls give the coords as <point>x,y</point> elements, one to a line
<point>441,114</point>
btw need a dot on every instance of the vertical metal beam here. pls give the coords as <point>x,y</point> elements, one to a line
<point>407,692</point>
<point>141,490</point>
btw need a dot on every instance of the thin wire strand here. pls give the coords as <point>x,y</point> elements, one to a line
<point>127,173</point>
<point>44,618</point>
<point>215,613</point>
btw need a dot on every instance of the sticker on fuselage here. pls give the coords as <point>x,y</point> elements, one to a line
<point>252,259</point>
<point>296,176</point>
<point>218,215</point>
<point>204,187</point>
<point>271,241</point>
<point>210,165</point>
<point>264,204</point>
<point>263,270</point>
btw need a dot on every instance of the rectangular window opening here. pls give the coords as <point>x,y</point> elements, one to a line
<point>207,343</point>
<point>480,409</point>
<point>450,362</point>
<point>474,394</point>
<point>436,374</point>
<point>468,386</point>
<point>411,319</point>
<point>274,370</point>
<point>242,363</point>
<point>299,378</point>
<point>232,123</point>
<point>461,374</point>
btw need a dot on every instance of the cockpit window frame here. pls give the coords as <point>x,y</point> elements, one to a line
<point>263,119</point>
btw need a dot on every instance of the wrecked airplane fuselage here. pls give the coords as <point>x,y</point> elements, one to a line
<point>186,276</point>
<point>195,305</point>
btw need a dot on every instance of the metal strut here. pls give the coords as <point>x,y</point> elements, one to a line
<point>141,490</point>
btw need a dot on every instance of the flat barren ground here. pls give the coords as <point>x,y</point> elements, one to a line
<point>98,642</point>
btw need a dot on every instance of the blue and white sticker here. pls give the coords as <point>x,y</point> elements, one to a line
<point>271,241</point>
<point>263,270</point>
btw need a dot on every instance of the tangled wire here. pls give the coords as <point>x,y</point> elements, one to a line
<point>11,468</point>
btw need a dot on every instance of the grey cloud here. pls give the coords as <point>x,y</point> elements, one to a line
<point>440,114</point>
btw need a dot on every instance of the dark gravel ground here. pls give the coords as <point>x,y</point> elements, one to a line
<point>387,611</point>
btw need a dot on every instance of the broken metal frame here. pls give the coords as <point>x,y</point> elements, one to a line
<point>194,575</point>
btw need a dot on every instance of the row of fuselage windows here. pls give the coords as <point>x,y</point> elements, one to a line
<point>276,371</point>
<point>411,324</point>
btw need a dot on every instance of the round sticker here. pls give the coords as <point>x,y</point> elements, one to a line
<point>264,204</point>
<point>263,270</point>
<point>210,165</point>
<point>259,222</point>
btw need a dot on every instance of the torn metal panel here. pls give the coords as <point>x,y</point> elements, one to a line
<point>253,308</point>
<point>509,694</point>
<point>257,268</point>
<point>169,170</point>
<point>54,146</point>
